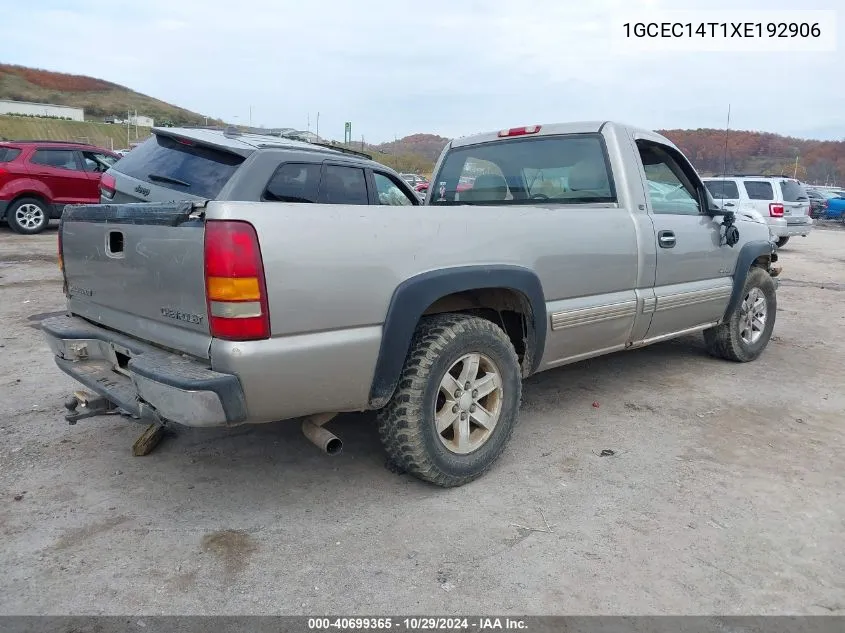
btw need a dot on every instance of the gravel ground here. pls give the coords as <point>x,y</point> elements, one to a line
<point>726,493</point>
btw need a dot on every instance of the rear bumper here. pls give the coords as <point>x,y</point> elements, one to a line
<point>152,384</point>
<point>785,229</point>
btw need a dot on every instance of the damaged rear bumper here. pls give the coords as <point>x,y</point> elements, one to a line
<point>143,380</point>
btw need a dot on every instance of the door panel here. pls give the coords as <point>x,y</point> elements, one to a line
<point>693,281</point>
<point>62,172</point>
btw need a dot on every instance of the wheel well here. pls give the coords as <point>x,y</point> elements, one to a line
<point>507,308</point>
<point>765,261</point>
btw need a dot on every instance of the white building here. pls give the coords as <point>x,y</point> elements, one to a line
<point>141,121</point>
<point>41,109</point>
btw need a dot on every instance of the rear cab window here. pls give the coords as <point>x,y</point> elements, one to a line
<point>759,189</point>
<point>187,167</point>
<point>566,169</point>
<point>722,189</point>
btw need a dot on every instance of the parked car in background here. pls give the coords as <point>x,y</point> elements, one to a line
<point>197,164</point>
<point>818,202</point>
<point>831,204</point>
<point>413,179</point>
<point>38,178</point>
<point>782,201</point>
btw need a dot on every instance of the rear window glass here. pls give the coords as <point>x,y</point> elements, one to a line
<point>792,191</point>
<point>294,182</point>
<point>8,154</point>
<point>759,189</point>
<point>720,189</point>
<point>193,169</point>
<point>558,169</point>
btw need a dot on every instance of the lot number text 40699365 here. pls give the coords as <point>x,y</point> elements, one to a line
<point>417,624</point>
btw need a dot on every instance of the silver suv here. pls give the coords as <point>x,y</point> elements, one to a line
<point>782,202</point>
<point>201,164</point>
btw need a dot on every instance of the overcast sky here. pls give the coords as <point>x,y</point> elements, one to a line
<point>449,67</point>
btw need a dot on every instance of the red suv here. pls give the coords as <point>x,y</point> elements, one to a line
<point>38,178</point>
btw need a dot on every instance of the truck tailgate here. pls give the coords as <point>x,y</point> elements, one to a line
<point>138,269</point>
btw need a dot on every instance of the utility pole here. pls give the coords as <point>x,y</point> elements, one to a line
<point>362,142</point>
<point>308,122</point>
<point>795,171</point>
<point>317,132</point>
<point>250,116</point>
<point>128,118</point>
<point>136,125</point>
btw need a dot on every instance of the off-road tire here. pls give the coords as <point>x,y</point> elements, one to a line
<point>14,224</point>
<point>406,424</point>
<point>782,241</point>
<point>724,340</point>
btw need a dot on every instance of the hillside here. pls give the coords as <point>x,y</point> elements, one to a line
<point>819,162</point>
<point>99,98</point>
<point>100,134</point>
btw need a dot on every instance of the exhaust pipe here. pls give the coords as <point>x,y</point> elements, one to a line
<point>326,441</point>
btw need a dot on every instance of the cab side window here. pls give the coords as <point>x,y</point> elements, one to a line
<point>95,162</point>
<point>293,182</point>
<point>389,192</point>
<point>57,158</point>
<point>759,189</point>
<point>343,185</point>
<point>670,188</point>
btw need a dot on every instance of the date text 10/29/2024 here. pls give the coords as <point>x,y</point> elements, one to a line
<point>417,624</point>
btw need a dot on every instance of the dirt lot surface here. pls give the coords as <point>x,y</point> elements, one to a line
<point>726,493</point>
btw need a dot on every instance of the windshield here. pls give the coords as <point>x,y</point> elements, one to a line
<point>559,169</point>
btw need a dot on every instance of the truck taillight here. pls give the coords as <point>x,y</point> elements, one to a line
<point>775,210</point>
<point>234,282</point>
<point>520,131</point>
<point>107,186</point>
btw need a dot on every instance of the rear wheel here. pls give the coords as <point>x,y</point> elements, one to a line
<point>457,401</point>
<point>28,216</point>
<point>745,335</point>
<point>782,241</point>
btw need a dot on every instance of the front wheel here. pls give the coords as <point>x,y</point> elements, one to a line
<point>782,241</point>
<point>457,401</point>
<point>745,335</point>
<point>28,216</point>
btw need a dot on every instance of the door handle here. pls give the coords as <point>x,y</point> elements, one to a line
<point>729,204</point>
<point>666,239</point>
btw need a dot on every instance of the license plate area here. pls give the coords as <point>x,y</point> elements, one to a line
<point>120,359</point>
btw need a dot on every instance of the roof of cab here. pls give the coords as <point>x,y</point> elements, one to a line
<point>576,127</point>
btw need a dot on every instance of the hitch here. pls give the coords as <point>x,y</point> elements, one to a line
<point>83,405</point>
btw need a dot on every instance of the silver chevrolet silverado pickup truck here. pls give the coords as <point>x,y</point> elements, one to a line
<point>573,240</point>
